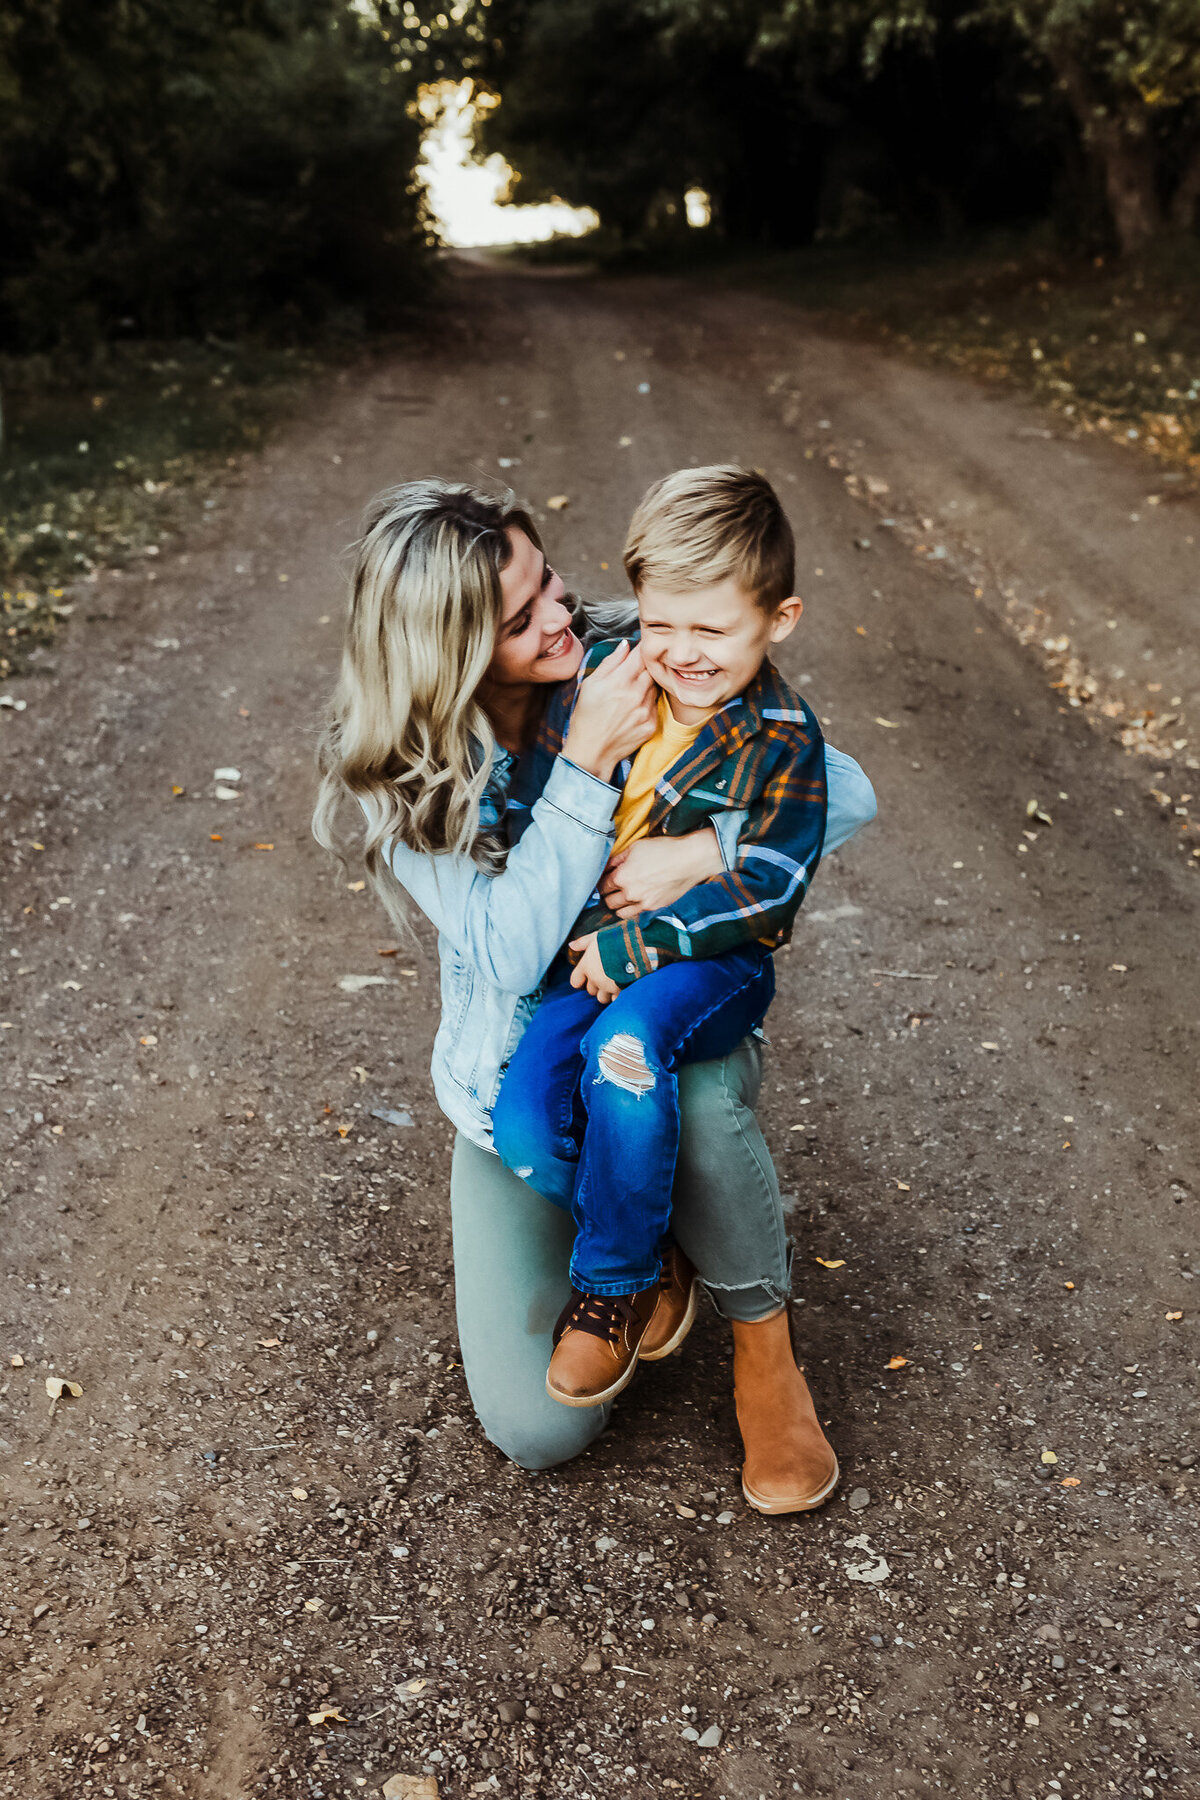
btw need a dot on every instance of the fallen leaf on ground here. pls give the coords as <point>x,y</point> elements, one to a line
<point>888,724</point>
<point>326,1713</point>
<point>1048,1457</point>
<point>57,1386</point>
<point>391,1115</point>
<point>1119,968</point>
<point>389,950</point>
<point>1174,1315</point>
<point>1069,1481</point>
<point>898,1362</point>
<point>149,1041</point>
<point>837,1262</point>
<point>1069,1285</point>
<point>410,1787</point>
<point>904,1186</point>
<point>176,790</point>
<point>264,846</point>
<point>875,1568</point>
<point>270,1343</point>
<point>558,502</point>
<point>215,837</point>
<point>356,887</point>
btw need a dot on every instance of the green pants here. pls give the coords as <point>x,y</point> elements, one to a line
<point>512,1250</point>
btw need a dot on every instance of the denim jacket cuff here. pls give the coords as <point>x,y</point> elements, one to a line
<point>583,797</point>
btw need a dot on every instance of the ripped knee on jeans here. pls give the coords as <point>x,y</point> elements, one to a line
<point>623,1062</point>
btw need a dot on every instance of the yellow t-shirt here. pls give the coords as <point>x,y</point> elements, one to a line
<point>653,760</point>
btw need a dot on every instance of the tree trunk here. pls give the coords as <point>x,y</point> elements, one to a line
<point>1126,155</point>
<point>1129,177</point>
<point>1186,198</point>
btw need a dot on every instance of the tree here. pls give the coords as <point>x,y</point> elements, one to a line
<point>192,165</point>
<point>1130,71</point>
<point>788,115</point>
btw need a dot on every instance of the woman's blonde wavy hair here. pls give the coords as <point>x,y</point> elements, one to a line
<point>405,733</point>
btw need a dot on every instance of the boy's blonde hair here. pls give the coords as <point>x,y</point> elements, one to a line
<point>700,527</point>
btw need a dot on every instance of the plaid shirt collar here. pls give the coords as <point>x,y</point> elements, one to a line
<point>756,713</point>
<point>767,698</point>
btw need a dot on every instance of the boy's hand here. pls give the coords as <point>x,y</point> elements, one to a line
<point>589,970</point>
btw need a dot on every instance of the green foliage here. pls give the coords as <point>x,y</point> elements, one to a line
<point>796,118</point>
<point>795,113</point>
<point>105,458</point>
<point>593,105</point>
<point>1139,53</point>
<point>174,166</point>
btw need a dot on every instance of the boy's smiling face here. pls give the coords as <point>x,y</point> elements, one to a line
<point>705,647</point>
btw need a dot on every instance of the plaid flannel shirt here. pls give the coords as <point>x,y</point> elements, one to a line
<point>762,752</point>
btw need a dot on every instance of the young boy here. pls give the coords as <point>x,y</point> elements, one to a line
<point>588,1112</point>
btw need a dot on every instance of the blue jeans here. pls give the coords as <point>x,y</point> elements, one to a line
<point>589,1111</point>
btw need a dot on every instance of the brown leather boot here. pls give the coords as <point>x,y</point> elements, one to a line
<point>790,1465</point>
<point>675,1313</point>
<point>596,1343</point>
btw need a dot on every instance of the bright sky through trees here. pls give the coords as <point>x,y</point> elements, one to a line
<point>465,196</point>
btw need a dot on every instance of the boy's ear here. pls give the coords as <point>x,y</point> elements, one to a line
<point>787,617</point>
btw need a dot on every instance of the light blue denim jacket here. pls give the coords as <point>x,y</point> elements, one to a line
<point>498,934</point>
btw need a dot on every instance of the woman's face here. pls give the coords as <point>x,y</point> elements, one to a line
<point>535,641</point>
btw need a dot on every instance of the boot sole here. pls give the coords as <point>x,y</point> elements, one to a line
<point>762,1504</point>
<point>681,1330</point>
<point>609,1393</point>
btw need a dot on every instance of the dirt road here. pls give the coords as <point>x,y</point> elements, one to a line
<point>225,1194</point>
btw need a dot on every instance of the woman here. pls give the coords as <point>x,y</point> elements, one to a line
<point>458,629</point>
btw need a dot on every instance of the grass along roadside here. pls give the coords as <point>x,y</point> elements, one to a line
<point>103,462</point>
<point>1114,348</point>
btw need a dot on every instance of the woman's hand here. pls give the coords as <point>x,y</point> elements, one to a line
<point>614,714</point>
<point>655,871</point>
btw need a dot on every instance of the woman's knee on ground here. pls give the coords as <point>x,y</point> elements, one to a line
<point>546,1441</point>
